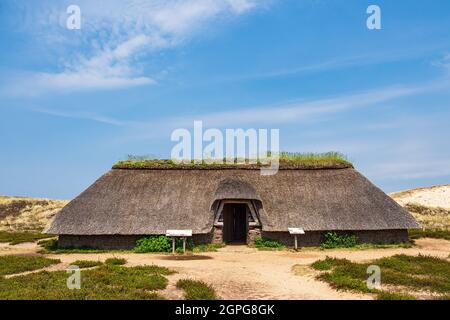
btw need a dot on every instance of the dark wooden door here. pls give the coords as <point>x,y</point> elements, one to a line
<point>235,223</point>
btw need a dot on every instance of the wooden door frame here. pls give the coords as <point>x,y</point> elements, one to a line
<point>228,235</point>
<point>250,205</point>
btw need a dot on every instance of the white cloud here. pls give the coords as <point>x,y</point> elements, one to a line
<point>308,110</point>
<point>114,35</point>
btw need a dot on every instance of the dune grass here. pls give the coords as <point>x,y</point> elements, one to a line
<point>286,159</point>
<point>402,272</point>
<point>436,234</point>
<point>107,282</point>
<point>18,264</point>
<point>196,290</point>
<point>21,237</point>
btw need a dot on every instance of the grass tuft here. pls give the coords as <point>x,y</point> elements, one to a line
<point>196,290</point>
<point>115,261</point>
<point>83,264</point>
<point>267,243</point>
<point>386,295</point>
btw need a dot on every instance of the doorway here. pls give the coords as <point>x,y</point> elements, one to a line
<point>235,223</point>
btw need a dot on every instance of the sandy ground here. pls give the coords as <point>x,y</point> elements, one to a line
<point>438,196</point>
<point>239,272</point>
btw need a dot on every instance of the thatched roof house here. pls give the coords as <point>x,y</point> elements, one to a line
<point>229,203</point>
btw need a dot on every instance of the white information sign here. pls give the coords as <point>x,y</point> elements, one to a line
<point>179,233</point>
<point>296,231</point>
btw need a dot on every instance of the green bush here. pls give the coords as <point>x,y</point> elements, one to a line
<point>154,244</point>
<point>161,244</point>
<point>334,240</point>
<point>261,242</point>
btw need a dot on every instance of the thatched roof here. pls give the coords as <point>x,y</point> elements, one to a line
<point>151,201</point>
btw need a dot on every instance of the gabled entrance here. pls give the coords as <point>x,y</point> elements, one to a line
<point>235,222</point>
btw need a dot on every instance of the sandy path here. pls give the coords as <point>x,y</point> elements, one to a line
<point>239,272</point>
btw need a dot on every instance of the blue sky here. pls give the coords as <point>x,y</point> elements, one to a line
<point>73,102</point>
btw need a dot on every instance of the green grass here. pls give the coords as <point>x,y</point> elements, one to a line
<point>263,243</point>
<point>384,295</point>
<point>19,264</point>
<point>21,237</point>
<point>436,234</point>
<point>51,246</point>
<point>115,261</point>
<point>196,290</point>
<point>415,273</point>
<point>82,264</point>
<point>107,282</point>
<point>210,247</point>
<point>286,159</point>
<point>326,264</point>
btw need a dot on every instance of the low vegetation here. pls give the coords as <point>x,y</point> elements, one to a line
<point>161,244</point>
<point>405,276</point>
<point>18,264</point>
<point>83,264</point>
<point>116,261</point>
<point>107,282</point>
<point>196,290</point>
<point>51,246</point>
<point>286,159</point>
<point>21,237</point>
<point>436,234</point>
<point>267,244</point>
<point>431,218</point>
<point>338,240</point>
<point>210,247</point>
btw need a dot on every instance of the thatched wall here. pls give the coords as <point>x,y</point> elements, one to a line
<point>144,202</point>
<point>309,239</point>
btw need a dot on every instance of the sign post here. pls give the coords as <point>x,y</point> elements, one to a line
<point>178,233</point>
<point>295,232</point>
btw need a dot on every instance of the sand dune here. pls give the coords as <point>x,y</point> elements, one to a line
<point>430,206</point>
<point>19,214</point>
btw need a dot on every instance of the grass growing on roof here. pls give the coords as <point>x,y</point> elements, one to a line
<point>106,282</point>
<point>401,272</point>
<point>196,290</point>
<point>288,160</point>
<point>19,264</point>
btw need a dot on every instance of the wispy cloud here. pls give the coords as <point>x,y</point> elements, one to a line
<point>278,114</point>
<point>309,110</point>
<point>83,115</point>
<point>114,36</point>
